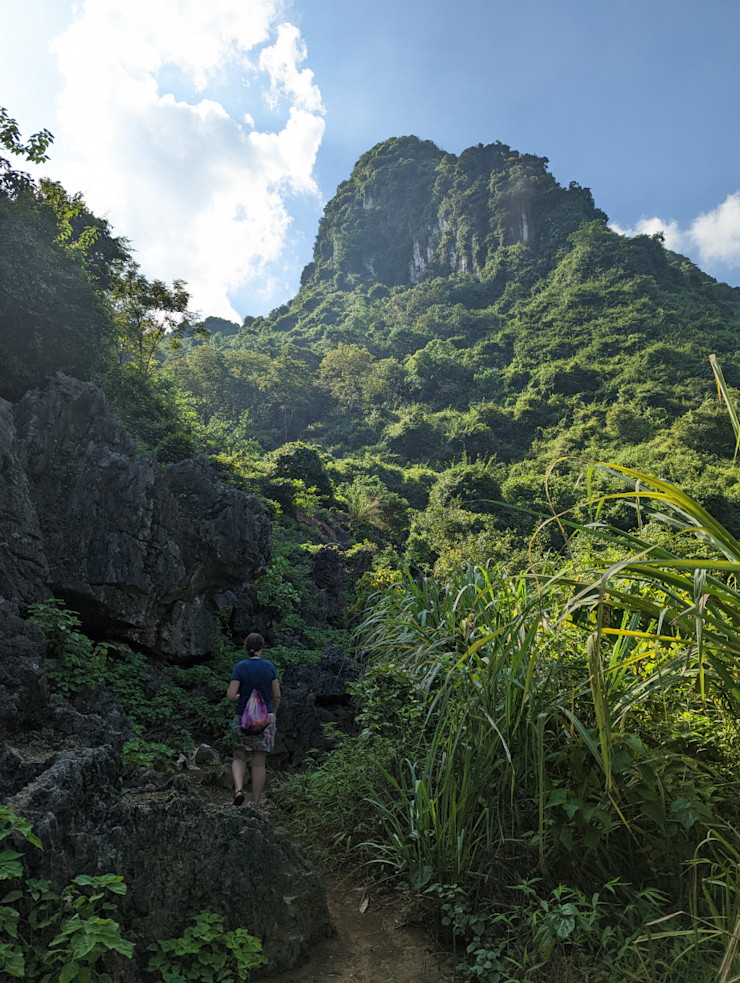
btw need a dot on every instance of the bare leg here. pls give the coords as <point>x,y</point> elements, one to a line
<point>258,775</point>
<point>239,768</point>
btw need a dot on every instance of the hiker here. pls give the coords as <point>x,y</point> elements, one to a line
<point>252,673</point>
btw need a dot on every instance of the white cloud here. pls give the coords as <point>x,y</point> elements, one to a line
<point>201,194</point>
<point>717,233</point>
<point>280,62</point>
<point>712,239</point>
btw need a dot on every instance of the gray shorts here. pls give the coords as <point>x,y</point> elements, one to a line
<point>253,742</point>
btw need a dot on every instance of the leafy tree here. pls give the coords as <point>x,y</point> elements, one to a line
<point>287,384</point>
<point>374,511</point>
<point>55,259</point>
<point>384,383</point>
<point>146,312</point>
<point>85,234</point>
<point>343,372</point>
<point>204,373</point>
<point>415,438</point>
<point>474,486</point>
<point>436,374</point>
<point>10,138</point>
<point>301,462</point>
<point>52,318</point>
<point>707,428</point>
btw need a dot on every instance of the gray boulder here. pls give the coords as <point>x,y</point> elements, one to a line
<point>142,551</point>
<point>177,855</point>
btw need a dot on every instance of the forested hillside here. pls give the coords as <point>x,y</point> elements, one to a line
<point>466,321</point>
<point>547,686</point>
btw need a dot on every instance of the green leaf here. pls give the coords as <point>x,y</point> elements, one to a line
<point>685,811</point>
<point>12,960</point>
<point>566,837</point>
<point>69,972</point>
<point>572,807</point>
<point>420,876</point>
<point>9,866</point>
<point>565,927</point>
<point>9,921</point>
<point>653,809</point>
<point>557,798</point>
<point>621,761</point>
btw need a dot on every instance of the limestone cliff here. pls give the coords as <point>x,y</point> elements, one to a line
<point>143,551</point>
<point>409,211</point>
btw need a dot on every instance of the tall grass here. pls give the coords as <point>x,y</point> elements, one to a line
<point>473,649</point>
<point>548,745</point>
<point>672,603</point>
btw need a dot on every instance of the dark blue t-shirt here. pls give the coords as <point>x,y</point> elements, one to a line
<point>254,674</point>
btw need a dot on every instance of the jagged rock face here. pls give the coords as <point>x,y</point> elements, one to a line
<point>313,695</point>
<point>326,574</point>
<point>410,211</point>
<point>23,566</point>
<point>24,689</point>
<point>142,551</point>
<point>61,769</point>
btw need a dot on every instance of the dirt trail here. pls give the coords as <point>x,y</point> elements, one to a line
<point>375,942</point>
<point>376,945</point>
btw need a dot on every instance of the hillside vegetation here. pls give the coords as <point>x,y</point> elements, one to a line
<point>549,690</point>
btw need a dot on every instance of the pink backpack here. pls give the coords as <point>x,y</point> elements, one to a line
<point>255,717</point>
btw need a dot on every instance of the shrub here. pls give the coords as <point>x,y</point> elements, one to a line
<point>205,953</point>
<point>51,936</point>
<point>78,662</point>
<point>474,486</point>
<point>301,462</point>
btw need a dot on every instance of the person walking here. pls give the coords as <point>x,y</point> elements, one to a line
<point>252,673</point>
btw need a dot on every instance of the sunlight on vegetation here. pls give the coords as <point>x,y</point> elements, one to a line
<point>546,757</point>
<point>529,735</point>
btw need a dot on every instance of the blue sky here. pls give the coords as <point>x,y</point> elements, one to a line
<point>637,100</point>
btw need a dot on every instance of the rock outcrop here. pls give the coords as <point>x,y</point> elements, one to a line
<point>313,695</point>
<point>143,552</point>
<point>61,769</point>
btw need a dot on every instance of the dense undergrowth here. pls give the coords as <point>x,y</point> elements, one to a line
<point>549,758</point>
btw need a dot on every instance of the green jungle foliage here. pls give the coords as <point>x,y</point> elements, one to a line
<point>552,755</point>
<point>548,749</point>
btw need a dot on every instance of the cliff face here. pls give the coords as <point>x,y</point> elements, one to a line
<point>410,210</point>
<point>142,551</point>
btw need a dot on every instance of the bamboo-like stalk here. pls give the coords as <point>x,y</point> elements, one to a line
<point>724,395</point>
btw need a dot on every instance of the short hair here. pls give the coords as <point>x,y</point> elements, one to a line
<point>254,643</point>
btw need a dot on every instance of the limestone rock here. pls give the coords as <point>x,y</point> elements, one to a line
<point>205,755</point>
<point>142,551</point>
<point>313,695</point>
<point>326,574</point>
<point>177,855</point>
<point>23,566</point>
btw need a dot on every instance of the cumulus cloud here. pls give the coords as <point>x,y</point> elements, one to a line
<point>202,193</point>
<point>712,239</point>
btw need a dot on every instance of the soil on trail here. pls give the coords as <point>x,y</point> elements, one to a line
<point>376,940</point>
<point>373,944</point>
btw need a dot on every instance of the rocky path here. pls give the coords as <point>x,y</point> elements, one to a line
<point>376,940</point>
